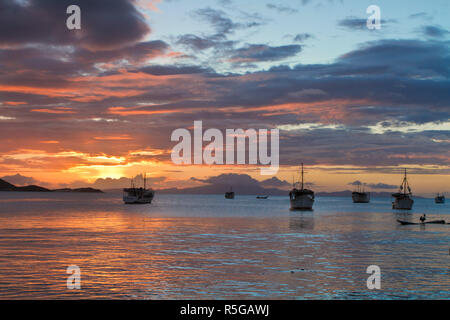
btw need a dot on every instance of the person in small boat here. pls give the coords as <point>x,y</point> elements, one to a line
<point>423,218</point>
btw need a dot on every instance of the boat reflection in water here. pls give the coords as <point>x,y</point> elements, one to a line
<point>301,222</point>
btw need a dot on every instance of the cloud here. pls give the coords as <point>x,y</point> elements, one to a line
<point>281,8</point>
<point>355,23</point>
<point>40,22</point>
<point>327,110</point>
<point>159,70</point>
<point>435,31</point>
<point>382,186</point>
<point>420,15</point>
<point>19,180</point>
<point>261,53</point>
<point>378,185</point>
<point>123,182</point>
<point>302,37</point>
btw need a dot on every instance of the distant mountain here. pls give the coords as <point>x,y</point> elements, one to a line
<point>32,189</point>
<point>6,186</point>
<point>255,190</point>
<point>221,189</point>
<point>348,194</point>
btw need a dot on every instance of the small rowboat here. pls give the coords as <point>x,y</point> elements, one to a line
<point>428,222</point>
<point>262,197</point>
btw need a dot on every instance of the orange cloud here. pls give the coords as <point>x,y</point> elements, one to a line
<point>14,103</point>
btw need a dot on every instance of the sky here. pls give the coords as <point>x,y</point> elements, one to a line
<point>96,106</point>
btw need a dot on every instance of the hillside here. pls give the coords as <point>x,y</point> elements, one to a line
<point>6,186</point>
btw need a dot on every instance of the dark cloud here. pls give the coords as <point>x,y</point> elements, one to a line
<point>44,22</point>
<point>262,52</point>
<point>34,37</point>
<point>435,31</point>
<point>281,8</point>
<point>159,70</point>
<point>380,81</point>
<point>420,15</point>
<point>302,37</point>
<point>355,23</point>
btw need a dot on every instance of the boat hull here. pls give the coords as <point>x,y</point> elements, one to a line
<point>302,202</point>
<point>229,195</point>
<point>403,204</point>
<point>136,200</point>
<point>439,200</point>
<point>405,223</point>
<point>360,197</point>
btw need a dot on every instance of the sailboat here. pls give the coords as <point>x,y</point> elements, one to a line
<point>136,195</point>
<point>229,194</point>
<point>403,198</point>
<point>301,198</point>
<point>440,198</point>
<point>360,196</point>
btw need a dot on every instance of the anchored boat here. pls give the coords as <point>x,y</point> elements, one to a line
<point>440,198</point>
<point>300,197</point>
<point>136,195</point>
<point>360,196</point>
<point>403,198</point>
<point>229,194</point>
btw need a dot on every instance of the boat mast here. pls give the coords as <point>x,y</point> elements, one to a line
<point>405,185</point>
<point>302,176</point>
<point>145,180</point>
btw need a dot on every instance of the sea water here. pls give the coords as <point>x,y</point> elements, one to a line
<point>208,247</point>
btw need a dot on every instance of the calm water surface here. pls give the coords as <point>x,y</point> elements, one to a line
<point>204,247</point>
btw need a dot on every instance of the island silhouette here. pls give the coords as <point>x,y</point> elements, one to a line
<point>6,186</point>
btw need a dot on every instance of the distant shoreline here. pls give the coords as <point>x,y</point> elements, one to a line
<point>8,187</point>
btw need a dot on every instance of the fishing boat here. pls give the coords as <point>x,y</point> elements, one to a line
<point>359,195</point>
<point>300,197</point>
<point>403,198</point>
<point>262,197</point>
<point>405,223</point>
<point>440,198</point>
<point>134,195</point>
<point>229,194</point>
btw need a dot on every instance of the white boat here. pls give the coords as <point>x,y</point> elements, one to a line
<point>440,198</point>
<point>360,196</point>
<point>403,198</point>
<point>135,195</point>
<point>301,198</point>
